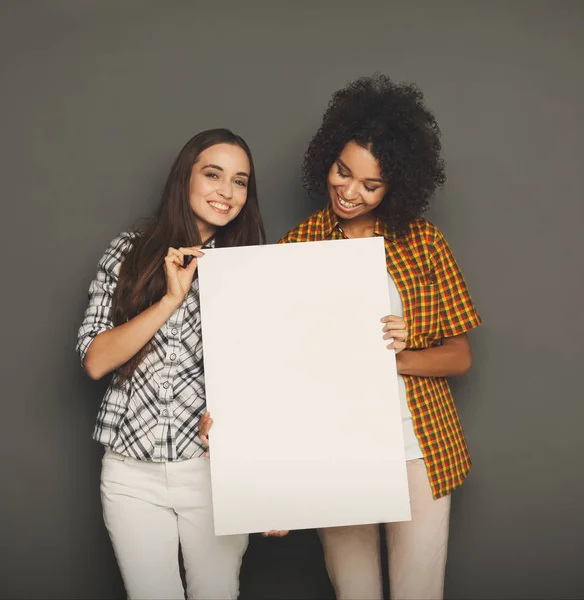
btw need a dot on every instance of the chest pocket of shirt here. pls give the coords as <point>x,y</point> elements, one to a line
<point>426,322</point>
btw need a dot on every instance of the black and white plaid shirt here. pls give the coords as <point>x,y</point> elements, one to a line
<point>155,415</point>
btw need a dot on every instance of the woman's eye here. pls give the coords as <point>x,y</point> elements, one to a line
<point>212,175</point>
<point>370,189</point>
<point>343,175</point>
<point>240,182</point>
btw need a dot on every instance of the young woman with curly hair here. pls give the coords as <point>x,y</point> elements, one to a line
<point>377,158</point>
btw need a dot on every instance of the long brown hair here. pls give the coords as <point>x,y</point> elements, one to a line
<point>141,280</point>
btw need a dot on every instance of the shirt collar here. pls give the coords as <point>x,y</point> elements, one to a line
<point>210,243</point>
<point>330,222</point>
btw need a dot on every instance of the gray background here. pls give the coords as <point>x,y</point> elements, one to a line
<point>96,100</point>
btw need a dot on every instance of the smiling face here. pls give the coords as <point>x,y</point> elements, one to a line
<point>218,186</point>
<point>354,182</point>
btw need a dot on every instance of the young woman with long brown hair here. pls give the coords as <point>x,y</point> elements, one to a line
<point>143,325</point>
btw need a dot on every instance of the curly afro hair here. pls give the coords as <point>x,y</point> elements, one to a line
<point>392,122</point>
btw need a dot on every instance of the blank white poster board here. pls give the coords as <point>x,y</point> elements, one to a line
<point>303,392</point>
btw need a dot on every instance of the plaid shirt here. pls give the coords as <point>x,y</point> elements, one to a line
<point>436,304</point>
<point>155,415</point>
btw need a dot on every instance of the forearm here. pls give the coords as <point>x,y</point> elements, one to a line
<point>447,360</point>
<point>113,348</point>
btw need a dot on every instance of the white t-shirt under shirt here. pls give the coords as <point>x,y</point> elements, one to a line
<point>412,446</point>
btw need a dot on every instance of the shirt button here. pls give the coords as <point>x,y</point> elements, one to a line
<point>174,331</point>
<point>166,384</point>
<point>165,413</point>
<point>173,356</point>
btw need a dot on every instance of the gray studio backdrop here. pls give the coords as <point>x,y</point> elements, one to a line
<point>98,97</point>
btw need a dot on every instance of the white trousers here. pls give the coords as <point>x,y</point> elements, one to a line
<point>149,508</point>
<point>416,549</point>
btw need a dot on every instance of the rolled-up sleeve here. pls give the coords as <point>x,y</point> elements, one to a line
<point>98,315</point>
<point>457,311</point>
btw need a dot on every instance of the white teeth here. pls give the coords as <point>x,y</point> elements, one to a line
<point>219,205</point>
<point>346,204</point>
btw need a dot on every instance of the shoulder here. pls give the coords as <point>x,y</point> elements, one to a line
<point>425,229</point>
<point>425,242</point>
<point>424,233</point>
<point>117,249</point>
<point>124,240</point>
<point>307,231</point>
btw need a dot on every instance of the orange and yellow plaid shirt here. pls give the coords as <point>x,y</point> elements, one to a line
<point>436,305</point>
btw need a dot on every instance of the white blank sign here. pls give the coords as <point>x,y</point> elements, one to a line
<point>303,392</point>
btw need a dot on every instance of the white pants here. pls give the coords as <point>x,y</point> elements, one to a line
<point>148,509</point>
<point>416,549</point>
